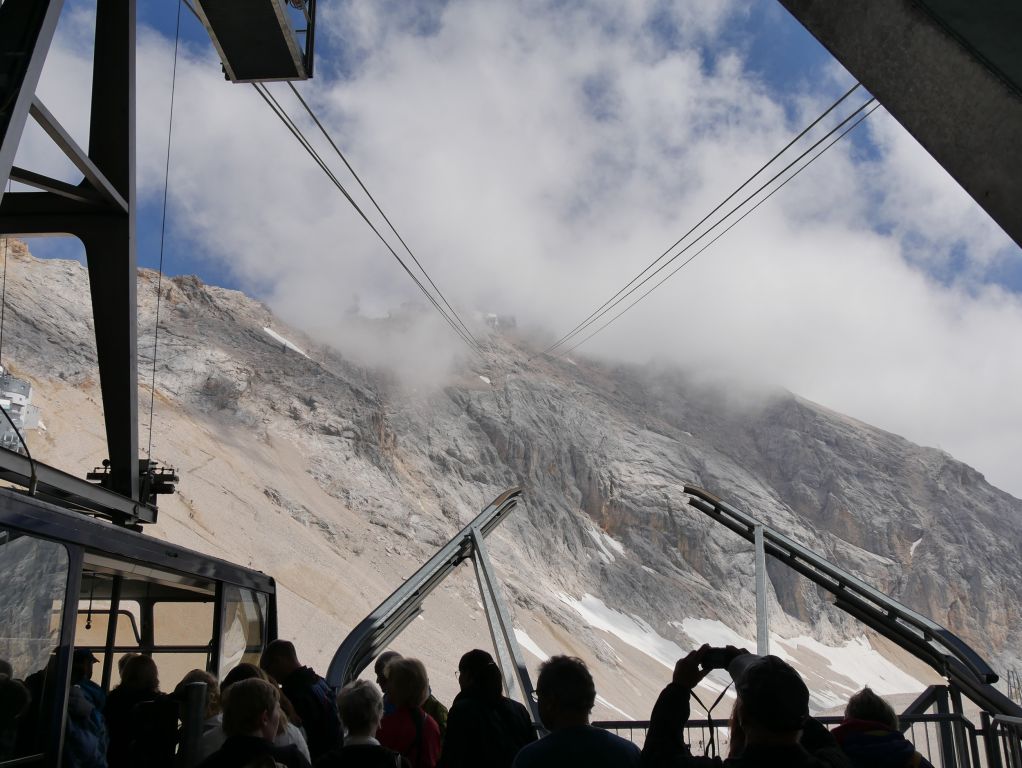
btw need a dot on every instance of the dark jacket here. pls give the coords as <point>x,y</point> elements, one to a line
<point>362,756</point>
<point>314,702</point>
<point>665,745</point>
<point>142,726</point>
<point>484,731</point>
<point>875,745</point>
<point>240,751</point>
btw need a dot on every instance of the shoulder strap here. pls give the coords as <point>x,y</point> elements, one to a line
<point>418,718</point>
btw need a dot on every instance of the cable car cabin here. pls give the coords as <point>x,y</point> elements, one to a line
<point>261,40</point>
<point>72,583</point>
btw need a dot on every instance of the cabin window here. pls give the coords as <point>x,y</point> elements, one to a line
<point>34,573</point>
<point>184,632</point>
<point>244,627</point>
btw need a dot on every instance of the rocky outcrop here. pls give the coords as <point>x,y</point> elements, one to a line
<point>601,451</point>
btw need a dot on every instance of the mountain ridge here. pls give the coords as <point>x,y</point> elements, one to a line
<point>366,474</point>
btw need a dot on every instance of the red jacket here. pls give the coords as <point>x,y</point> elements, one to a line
<point>414,734</point>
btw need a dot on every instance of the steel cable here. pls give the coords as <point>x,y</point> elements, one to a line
<point>578,328</point>
<point>357,178</point>
<point>610,306</point>
<point>297,132</point>
<point>163,228</point>
<point>724,232</point>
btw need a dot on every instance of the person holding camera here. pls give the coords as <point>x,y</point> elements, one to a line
<point>771,711</point>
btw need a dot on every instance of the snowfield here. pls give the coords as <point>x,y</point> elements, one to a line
<point>288,344</point>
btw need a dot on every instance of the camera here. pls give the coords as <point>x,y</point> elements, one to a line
<point>717,658</point>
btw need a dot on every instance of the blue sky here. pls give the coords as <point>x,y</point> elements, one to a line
<point>537,153</point>
<point>776,50</point>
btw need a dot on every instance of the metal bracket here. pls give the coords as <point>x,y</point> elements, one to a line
<point>375,632</point>
<point>948,654</point>
<point>509,655</point>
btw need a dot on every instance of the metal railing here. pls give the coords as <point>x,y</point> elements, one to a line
<point>946,740</point>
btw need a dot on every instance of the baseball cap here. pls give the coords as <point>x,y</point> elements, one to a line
<point>772,692</point>
<point>84,654</point>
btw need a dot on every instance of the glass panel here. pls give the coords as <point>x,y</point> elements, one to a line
<point>174,666</point>
<point>34,577</point>
<point>91,629</point>
<point>244,627</point>
<point>183,623</point>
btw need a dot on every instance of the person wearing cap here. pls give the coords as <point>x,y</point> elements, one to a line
<point>82,663</point>
<point>772,709</point>
<point>485,727</point>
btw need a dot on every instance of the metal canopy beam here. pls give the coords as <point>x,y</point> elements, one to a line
<point>937,646</point>
<point>390,617</point>
<point>942,87</point>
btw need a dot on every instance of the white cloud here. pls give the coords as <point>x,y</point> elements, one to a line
<point>537,154</point>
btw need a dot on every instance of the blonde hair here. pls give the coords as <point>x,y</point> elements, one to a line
<point>407,682</point>
<point>244,704</point>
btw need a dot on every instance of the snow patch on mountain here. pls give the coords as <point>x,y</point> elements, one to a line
<point>288,344</point>
<point>856,661</point>
<point>629,629</point>
<point>530,645</point>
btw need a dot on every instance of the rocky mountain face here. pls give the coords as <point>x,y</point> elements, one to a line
<point>339,479</point>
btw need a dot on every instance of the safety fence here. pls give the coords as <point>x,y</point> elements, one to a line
<point>946,740</point>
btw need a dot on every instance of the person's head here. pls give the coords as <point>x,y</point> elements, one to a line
<point>140,674</point>
<point>866,705</point>
<point>360,705</point>
<point>773,701</point>
<point>252,708</point>
<point>82,662</point>
<point>123,662</point>
<point>279,660</point>
<point>380,667</point>
<point>566,692</point>
<point>407,682</point>
<point>244,671</point>
<point>212,706</point>
<point>479,674</point>
<point>6,668</point>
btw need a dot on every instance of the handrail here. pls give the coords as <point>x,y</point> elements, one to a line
<point>390,617</point>
<point>948,654</point>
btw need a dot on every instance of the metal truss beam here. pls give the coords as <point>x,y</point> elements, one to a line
<point>375,632</point>
<point>76,192</point>
<point>106,226</point>
<point>77,155</point>
<point>26,31</point>
<point>937,646</point>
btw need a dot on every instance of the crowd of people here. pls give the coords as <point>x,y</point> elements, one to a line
<point>281,713</point>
